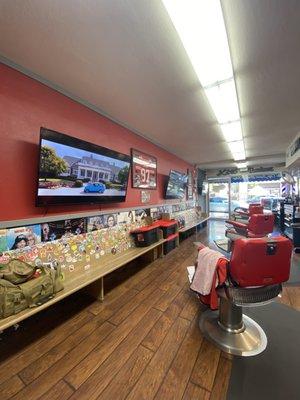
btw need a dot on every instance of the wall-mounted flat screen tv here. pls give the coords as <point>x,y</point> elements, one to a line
<point>176,186</point>
<point>72,171</point>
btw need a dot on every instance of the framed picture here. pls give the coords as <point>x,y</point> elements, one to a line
<point>143,170</point>
<point>189,184</point>
<point>145,196</point>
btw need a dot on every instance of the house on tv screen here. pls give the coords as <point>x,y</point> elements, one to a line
<point>91,168</point>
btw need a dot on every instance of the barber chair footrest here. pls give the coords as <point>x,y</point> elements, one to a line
<point>250,341</point>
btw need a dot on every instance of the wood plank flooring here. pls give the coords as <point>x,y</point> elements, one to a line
<point>142,342</point>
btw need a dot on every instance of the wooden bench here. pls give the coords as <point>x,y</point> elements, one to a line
<point>193,226</point>
<point>90,278</point>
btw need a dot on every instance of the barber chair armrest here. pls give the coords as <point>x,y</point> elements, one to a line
<point>242,213</point>
<point>240,209</point>
<point>237,224</point>
<point>232,234</point>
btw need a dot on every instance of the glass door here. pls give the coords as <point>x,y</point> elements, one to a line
<point>219,200</point>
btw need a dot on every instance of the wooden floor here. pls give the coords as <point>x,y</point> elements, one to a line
<point>142,342</point>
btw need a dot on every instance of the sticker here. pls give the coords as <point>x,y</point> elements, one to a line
<point>86,267</point>
<point>68,258</point>
<point>113,250</point>
<point>38,262</point>
<point>71,268</point>
<point>97,255</point>
<point>63,266</point>
<point>102,252</point>
<point>74,247</point>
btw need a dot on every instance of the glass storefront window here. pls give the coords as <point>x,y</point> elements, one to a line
<point>219,199</point>
<point>222,203</point>
<point>266,193</point>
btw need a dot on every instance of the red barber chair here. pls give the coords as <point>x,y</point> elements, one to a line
<point>259,225</point>
<point>256,269</point>
<point>253,209</point>
<point>241,213</point>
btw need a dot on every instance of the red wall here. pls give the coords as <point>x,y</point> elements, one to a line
<point>25,106</point>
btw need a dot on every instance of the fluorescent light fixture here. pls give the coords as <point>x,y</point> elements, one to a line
<point>232,131</point>
<point>201,28</point>
<point>236,147</point>
<point>223,101</point>
<point>242,165</point>
<point>239,156</point>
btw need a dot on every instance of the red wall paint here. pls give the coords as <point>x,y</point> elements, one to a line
<point>25,106</point>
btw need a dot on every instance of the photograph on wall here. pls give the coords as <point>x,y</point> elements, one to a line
<point>3,240</point>
<point>62,229</point>
<point>95,223</point>
<point>110,220</point>
<point>189,184</point>
<point>126,217</point>
<point>141,214</point>
<point>164,209</point>
<point>155,215</point>
<point>143,170</point>
<point>18,238</point>
<point>145,196</point>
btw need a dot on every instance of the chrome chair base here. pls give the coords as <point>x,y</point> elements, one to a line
<point>232,331</point>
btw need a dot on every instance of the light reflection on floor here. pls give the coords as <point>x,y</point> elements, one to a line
<point>216,230</point>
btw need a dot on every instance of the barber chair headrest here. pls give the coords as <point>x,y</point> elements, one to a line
<point>255,209</point>
<point>260,224</point>
<point>260,261</point>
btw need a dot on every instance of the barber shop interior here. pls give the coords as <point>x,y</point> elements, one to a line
<point>150,199</point>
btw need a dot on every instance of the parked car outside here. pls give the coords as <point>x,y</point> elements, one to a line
<point>218,199</point>
<point>95,188</point>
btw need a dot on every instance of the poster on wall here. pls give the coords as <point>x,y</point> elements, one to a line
<point>110,220</point>
<point>141,214</point>
<point>143,170</point>
<point>126,217</point>
<point>62,229</point>
<point>3,240</point>
<point>101,222</point>
<point>145,196</point>
<point>18,238</point>
<point>95,223</point>
<point>189,185</point>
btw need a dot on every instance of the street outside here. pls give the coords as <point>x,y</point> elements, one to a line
<point>66,191</point>
<point>223,207</point>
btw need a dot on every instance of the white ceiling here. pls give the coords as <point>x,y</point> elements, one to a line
<point>124,58</point>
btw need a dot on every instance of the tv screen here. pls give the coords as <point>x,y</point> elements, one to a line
<point>72,171</point>
<point>176,185</point>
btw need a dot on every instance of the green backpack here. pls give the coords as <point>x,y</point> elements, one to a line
<point>16,271</point>
<point>36,291</point>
